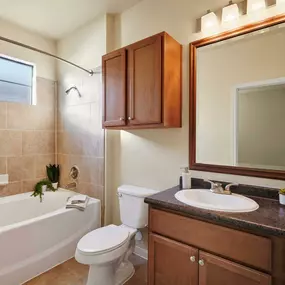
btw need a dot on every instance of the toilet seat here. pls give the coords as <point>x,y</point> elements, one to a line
<point>103,240</point>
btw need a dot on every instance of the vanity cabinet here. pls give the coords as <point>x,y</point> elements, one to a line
<point>183,250</point>
<point>170,262</point>
<point>142,85</point>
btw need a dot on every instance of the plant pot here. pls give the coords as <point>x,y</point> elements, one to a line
<point>44,188</point>
<point>282,199</point>
<point>55,185</point>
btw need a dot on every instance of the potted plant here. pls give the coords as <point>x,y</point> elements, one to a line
<point>53,174</point>
<point>282,196</point>
<point>41,187</point>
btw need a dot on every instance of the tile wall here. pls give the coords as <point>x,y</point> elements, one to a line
<point>80,138</point>
<point>27,139</point>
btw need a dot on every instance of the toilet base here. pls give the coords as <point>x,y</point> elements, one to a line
<point>124,273</point>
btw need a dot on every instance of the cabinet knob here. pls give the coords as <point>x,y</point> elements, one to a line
<point>122,119</point>
<point>193,258</point>
<point>130,118</point>
<point>201,262</point>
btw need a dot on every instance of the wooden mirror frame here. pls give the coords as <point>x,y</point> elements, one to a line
<point>272,174</point>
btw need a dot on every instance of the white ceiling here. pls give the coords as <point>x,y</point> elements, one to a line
<point>56,18</point>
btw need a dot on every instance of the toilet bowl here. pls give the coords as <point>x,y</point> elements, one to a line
<point>106,250</point>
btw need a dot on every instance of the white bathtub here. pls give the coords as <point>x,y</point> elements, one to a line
<point>35,237</point>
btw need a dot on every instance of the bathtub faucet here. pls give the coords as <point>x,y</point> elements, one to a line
<point>71,186</point>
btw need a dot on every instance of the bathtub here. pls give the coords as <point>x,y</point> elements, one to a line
<point>34,236</point>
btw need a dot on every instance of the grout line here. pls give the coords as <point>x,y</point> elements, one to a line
<point>56,122</point>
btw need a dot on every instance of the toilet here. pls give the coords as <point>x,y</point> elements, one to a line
<point>106,250</point>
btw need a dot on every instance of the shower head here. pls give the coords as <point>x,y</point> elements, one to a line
<point>67,91</point>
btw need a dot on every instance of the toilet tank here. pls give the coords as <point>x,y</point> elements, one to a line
<point>133,210</point>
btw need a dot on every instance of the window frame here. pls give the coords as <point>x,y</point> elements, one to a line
<point>34,75</point>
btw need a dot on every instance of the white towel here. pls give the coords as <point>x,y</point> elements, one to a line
<point>77,199</point>
<point>77,202</point>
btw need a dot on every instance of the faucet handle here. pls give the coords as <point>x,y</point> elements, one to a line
<point>213,184</point>
<point>228,187</point>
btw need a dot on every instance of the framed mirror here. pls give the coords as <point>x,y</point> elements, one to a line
<point>237,101</point>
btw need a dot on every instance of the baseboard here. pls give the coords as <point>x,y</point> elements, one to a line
<point>142,252</point>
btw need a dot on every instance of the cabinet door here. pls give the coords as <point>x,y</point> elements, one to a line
<point>114,89</point>
<point>218,271</point>
<point>171,263</point>
<point>144,82</point>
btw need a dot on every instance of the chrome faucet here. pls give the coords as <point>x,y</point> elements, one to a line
<point>217,188</point>
<point>70,186</point>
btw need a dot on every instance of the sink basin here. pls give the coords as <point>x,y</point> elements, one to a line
<point>205,199</point>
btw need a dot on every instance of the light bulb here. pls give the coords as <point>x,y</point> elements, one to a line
<point>209,22</point>
<point>255,5</point>
<point>230,13</point>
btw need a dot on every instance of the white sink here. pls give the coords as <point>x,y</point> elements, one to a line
<point>205,199</point>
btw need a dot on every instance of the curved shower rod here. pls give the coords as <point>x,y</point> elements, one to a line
<point>90,72</point>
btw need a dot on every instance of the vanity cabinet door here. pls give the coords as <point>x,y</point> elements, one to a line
<point>218,271</point>
<point>171,263</point>
<point>114,81</point>
<point>145,82</point>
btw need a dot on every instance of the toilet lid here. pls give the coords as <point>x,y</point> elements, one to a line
<point>103,239</point>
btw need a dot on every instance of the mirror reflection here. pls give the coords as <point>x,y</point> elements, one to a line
<point>241,101</point>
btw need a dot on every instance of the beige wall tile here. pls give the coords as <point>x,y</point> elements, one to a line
<point>20,116</point>
<point>3,115</point>
<point>63,161</point>
<point>41,162</point>
<point>3,165</point>
<point>29,117</point>
<point>45,93</point>
<point>93,144</point>
<point>44,119</point>
<point>70,143</point>
<point>28,185</point>
<point>20,168</point>
<point>11,189</point>
<point>97,171</point>
<point>91,190</point>
<point>11,143</point>
<point>38,142</point>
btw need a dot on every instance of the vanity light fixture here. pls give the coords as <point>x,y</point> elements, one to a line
<point>230,12</point>
<point>209,22</point>
<point>255,5</point>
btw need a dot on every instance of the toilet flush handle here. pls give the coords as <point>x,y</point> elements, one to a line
<point>119,195</point>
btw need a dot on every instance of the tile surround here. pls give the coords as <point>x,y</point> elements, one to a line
<point>66,129</point>
<point>80,138</point>
<point>27,135</point>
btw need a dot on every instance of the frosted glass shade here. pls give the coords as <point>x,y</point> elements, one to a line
<point>230,13</point>
<point>254,5</point>
<point>209,22</point>
<point>280,1</point>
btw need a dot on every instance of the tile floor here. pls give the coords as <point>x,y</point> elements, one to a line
<point>73,273</point>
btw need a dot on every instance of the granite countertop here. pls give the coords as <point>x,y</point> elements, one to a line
<point>269,219</point>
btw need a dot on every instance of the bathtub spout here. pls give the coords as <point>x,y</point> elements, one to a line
<point>71,186</point>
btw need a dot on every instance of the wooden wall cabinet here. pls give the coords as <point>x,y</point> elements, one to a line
<point>178,254</point>
<point>142,85</point>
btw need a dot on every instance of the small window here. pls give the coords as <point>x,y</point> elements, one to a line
<point>17,81</point>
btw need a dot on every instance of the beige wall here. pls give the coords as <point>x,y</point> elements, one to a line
<point>80,134</point>
<point>238,63</point>
<point>153,158</point>
<point>27,133</point>
<point>46,66</point>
